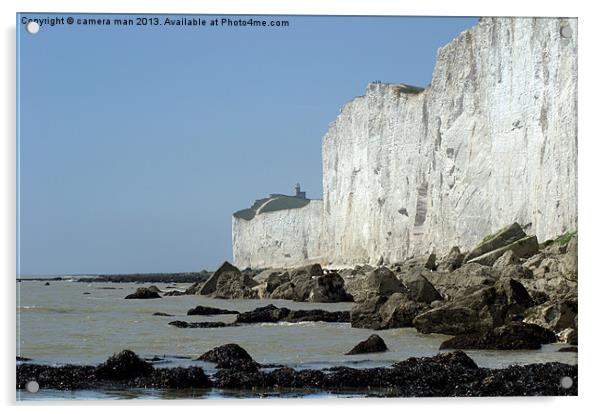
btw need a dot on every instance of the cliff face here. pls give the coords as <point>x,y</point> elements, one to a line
<point>492,140</point>
<point>278,238</point>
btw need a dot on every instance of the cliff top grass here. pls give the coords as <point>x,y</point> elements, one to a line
<point>275,202</point>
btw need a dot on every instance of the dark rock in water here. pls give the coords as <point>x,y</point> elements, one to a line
<point>269,313</point>
<point>22,359</point>
<point>420,289</point>
<point>123,365</point>
<point>374,343</point>
<point>230,356</point>
<point>143,293</point>
<point>174,378</point>
<point>228,283</point>
<point>273,314</point>
<point>161,314</point>
<point>184,324</point>
<point>86,293</point>
<point>516,335</point>
<point>207,310</point>
<point>154,288</point>
<point>174,293</point>
<point>47,284</point>
<point>568,349</point>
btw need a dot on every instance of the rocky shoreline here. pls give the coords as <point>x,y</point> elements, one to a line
<point>444,375</point>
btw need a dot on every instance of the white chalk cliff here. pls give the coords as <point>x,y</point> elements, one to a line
<point>492,140</point>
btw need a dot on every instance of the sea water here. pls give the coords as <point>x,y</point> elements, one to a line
<point>84,323</point>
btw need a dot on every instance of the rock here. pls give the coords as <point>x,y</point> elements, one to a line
<point>374,343</point>
<point>516,335</point>
<point>431,262</point>
<point>568,349</point>
<point>161,314</point>
<point>143,293</point>
<point>123,365</point>
<point>261,291</point>
<point>366,314</point>
<point>556,316</point>
<point>383,282</point>
<point>207,310</point>
<point>462,281</point>
<point>154,288</point>
<point>309,270</point>
<point>174,293</point>
<point>232,284</point>
<point>263,276</point>
<point>484,309</point>
<point>568,264</point>
<point>515,272</point>
<point>501,238</point>
<point>539,297</point>
<point>507,259</point>
<point>210,285</point>
<point>523,248</point>
<point>398,311</point>
<point>47,284</point>
<point>229,356</point>
<point>328,288</point>
<point>569,336</point>
<point>420,289</point>
<point>276,279</point>
<point>273,314</point>
<point>452,261</point>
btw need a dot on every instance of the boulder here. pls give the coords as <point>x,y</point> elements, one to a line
<point>263,276</point>
<point>515,272</point>
<point>174,293</point>
<point>452,261</point>
<point>522,248</point>
<point>276,279</point>
<point>466,279</point>
<point>231,285</point>
<point>210,285</point>
<point>143,293</point>
<point>366,314</point>
<point>154,288</point>
<point>308,270</point>
<point>273,314</point>
<point>507,259</point>
<point>484,309</point>
<point>568,264</point>
<point>229,356</point>
<point>501,238</point>
<point>328,288</point>
<point>556,316</point>
<point>399,311</point>
<point>516,335</point>
<point>569,336</point>
<point>420,289</point>
<point>207,310</point>
<point>123,365</point>
<point>383,282</point>
<point>373,344</point>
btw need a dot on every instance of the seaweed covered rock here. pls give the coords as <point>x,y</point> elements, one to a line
<point>230,356</point>
<point>124,365</point>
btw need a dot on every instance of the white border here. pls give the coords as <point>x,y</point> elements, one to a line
<point>589,201</point>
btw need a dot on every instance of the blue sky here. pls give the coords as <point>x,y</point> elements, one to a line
<point>138,143</point>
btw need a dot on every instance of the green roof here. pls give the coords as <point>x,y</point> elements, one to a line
<point>275,202</point>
